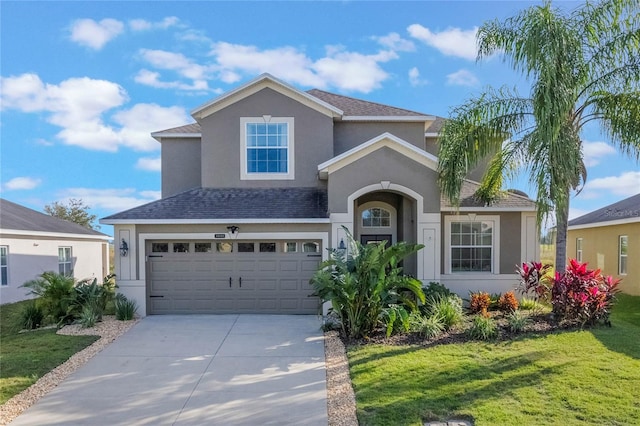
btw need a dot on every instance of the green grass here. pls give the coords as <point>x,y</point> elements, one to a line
<point>26,357</point>
<point>569,378</point>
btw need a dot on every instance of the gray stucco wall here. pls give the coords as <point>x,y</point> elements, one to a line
<point>180,165</point>
<point>221,141</point>
<point>351,134</point>
<point>384,164</point>
<point>510,235</point>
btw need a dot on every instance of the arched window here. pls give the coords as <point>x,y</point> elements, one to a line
<point>376,217</point>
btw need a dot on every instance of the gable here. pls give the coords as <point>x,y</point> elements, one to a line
<point>260,83</point>
<point>385,140</point>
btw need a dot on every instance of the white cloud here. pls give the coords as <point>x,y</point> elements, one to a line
<point>144,25</point>
<point>149,164</point>
<point>183,66</point>
<point>351,71</point>
<point>414,77</point>
<point>111,199</point>
<point>625,184</point>
<point>462,78</point>
<point>450,42</point>
<point>95,35</point>
<point>152,78</point>
<point>22,183</point>
<point>78,106</point>
<point>138,122</point>
<point>394,42</point>
<point>594,151</point>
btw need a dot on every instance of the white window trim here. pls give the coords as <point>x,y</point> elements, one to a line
<point>5,266</point>
<point>495,270</point>
<point>579,249</point>
<point>70,261</point>
<point>244,175</point>
<point>620,255</point>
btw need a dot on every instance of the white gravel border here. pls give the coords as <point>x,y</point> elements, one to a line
<point>341,401</point>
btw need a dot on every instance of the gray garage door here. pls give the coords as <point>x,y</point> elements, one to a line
<point>231,276</point>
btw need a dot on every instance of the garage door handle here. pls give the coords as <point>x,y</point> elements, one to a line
<point>155,255</point>
<point>229,282</point>
<point>314,255</point>
<point>152,296</point>
<point>240,282</point>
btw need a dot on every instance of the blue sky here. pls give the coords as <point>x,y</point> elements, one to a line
<point>84,83</point>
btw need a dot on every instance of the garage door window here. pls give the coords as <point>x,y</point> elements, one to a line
<point>290,247</point>
<point>181,247</point>
<point>267,247</point>
<point>202,247</point>
<point>310,247</point>
<point>246,247</point>
<point>224,247</point>
<point>160,247</point>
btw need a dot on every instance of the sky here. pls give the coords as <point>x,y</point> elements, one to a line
<point>83,84</point>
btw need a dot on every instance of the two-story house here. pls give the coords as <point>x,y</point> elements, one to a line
<point>268,178</point>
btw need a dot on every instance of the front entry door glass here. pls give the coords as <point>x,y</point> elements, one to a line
<point>374,239</point>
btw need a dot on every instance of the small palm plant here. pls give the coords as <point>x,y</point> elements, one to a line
<point>366,283</point>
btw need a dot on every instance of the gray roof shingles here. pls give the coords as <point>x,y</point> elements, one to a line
<point>507,200</point>
<point>234,203</point>
<point>358,107</point>
<point>629,208</point>
<point>17,217</point>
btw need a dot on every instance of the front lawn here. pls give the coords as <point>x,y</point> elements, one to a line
<point>566,377</point>
<point>25,357</point>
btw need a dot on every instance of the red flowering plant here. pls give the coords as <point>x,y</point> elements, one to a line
<point>578,295</point>
<point>534,276</point>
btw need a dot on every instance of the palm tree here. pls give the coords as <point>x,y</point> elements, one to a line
<point>584,67</point>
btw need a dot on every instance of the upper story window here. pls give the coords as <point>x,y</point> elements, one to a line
<point>376,217</point>
<point>4,265</point>
<point>267,148</point>
<point>64,261</point>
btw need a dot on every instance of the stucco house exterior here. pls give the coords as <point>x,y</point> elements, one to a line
<point>609,239</point>
<point>32,243</point>
<point>268,178</point>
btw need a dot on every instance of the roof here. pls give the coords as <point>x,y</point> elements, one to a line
<point>436,125</point>
<point>188,130</point>
<point>221,205</point>
<point>627,210</point>
<point>358,107</point>
<point>16,217</point>
<point>509,201</point>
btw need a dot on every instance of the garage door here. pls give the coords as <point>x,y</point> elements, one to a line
<point>231,276</point>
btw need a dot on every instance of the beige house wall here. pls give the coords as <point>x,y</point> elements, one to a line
<point>600,250</point>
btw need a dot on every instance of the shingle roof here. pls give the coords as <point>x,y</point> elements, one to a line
<point>359,107</point>
<point>187,128</point>
<point>17,217</point>
<point>436,125</point>
<point>233,203</point>
<point>629,208</point>
<point>508,200</point>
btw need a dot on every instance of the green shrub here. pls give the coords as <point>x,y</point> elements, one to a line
<point>527,304</point>
<point>517,321</point>
<point>395,318</point>
<point>56,295</point>
<point>89,316</point>
<point>90,294</point>
<point>447,308</point>
<point>125,308</point>
<point>428,327</point>
<point>436,290</point>
<point>31,316</point>
<point>482,328</point>
<point>365,280</point>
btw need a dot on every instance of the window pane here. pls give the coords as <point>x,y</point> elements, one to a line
<point>290,247</point>
<point>202,247</point>
<point>267,247</point>
<point>310,247</point>
<point>181,247</point>
<point>160,247</point>
<point>5,276</point>
<point>224,247</point>
<point>3,255</point>
<point>623,265</point>
<point>623,244</point>
<point>246,247</point>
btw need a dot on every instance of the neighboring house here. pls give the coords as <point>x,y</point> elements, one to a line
<point>609,239</point>
<point>263,183</point>
<point>32,243</point>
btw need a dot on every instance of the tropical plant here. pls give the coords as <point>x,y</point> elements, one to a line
<point>428,327</point>
<point>577,295</point>
<point>482,328</point>
<point>447,308</point>
<point>93,295</point>
<point>89,316</point>
<point>435,290</point>
<point>508,302</point>
<point>31,316</point>
<point>517,321</point>
<point>584,67</point>
<point>363,281</point>
<point>125,308</point>
<point>479,303</point>
<point>55,294</point>
<point>395,318</point>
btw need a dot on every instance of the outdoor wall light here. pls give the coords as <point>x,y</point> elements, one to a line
<point>124,248</point>
<point>233,228</point>
<point>342,246</point>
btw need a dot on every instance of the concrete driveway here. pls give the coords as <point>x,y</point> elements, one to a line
<point>198,370</point>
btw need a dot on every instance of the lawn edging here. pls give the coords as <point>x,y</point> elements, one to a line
<point>341,400</point>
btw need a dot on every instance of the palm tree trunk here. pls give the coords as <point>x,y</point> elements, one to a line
<point>561,238</point>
